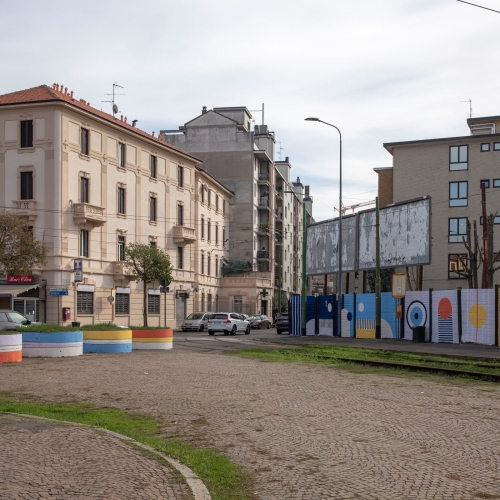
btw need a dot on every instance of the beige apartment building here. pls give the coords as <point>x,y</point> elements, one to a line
<point>451,171</point>
<point>90,183</point>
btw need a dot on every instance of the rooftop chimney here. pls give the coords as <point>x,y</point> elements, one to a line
<point>298,180</point>
<point>134,123</point>
<point>307,191</point>
<point>286,159</point>
<point>204,110</point>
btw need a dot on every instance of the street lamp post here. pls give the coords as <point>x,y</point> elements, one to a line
<point>339,318</point>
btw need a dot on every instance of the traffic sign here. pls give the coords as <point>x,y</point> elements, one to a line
<point>58,292</point>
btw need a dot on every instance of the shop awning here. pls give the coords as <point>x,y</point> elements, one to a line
<point>15,290</point>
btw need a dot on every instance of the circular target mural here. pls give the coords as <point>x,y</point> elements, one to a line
<point>416,314</point>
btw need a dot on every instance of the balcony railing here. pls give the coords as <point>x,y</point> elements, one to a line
<point>263,177</point>
<point>120,270</point>
<point>262,254</point>
<point>85,212</point>
<point>264,202</point>
<point>264,229</point>
<point>183,233</point>
<point>25,208</point>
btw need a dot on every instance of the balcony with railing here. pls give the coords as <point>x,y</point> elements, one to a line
<point>264,203</point>
<point>85,212</point>
<point>263,179</point>
<point>262,255</point>
<point>264,229</point>
<point>25,208</point>
<point>183,234</point>
<point>120,270</point>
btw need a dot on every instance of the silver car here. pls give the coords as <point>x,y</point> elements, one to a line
<point>9,320</point>
<point>196,322</point>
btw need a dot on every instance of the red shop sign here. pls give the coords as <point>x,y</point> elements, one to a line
<point>19,279</point>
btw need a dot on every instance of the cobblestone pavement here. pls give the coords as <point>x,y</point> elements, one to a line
<point>304,431</point>
<point>49,460</point>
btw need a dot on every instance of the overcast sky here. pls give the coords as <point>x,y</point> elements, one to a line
<point>381,71</point>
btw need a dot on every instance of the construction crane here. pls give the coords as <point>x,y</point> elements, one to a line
<point>353,207</point>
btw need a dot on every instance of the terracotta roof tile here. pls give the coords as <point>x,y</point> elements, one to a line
<point>44,93</point>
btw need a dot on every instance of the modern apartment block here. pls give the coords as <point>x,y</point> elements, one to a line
<point>90,183</point>
<point>243,160</point>
<point>451,171</point>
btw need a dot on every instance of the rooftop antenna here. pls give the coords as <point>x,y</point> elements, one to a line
<point>112,101</point>
<point>470,107</point>
<point>259,111</point>
<point>280,149</point>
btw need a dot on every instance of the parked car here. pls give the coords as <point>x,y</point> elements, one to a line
<point>9,320</point>
<point>282,324</point>
<point>196,321</point>
<point>259,321</point>
<point>229,323</point>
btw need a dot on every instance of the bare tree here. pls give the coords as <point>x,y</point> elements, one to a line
<point>471,263</point>
<point>492,256</point>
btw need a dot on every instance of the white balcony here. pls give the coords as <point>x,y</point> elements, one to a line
<point>120,270</point>
<point>184,234</point>
<point>85,212</point>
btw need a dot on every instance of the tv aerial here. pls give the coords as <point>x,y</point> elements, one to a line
<point>112,101</point>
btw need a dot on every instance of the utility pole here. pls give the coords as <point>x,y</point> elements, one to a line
<point>485,238</point>
<point>377,271</point>
<point>304,286</point>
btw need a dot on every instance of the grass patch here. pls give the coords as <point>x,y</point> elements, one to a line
<point>342,356</point>
<point>103,327</point>
<point>150,327</point>
<point>223,478</point>
<point>47,328</point>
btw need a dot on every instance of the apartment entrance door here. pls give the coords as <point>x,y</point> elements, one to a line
<point>180,309</point>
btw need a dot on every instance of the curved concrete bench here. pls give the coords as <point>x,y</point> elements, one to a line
<point>11,347</point>
<point>152,339</point>
<point>109,341</point>
<point>52,344</point>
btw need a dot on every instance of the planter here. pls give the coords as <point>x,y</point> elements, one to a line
<point>160,339</point>
<point>11,347</point>
<point>52,344</point>
<point>110,341</point>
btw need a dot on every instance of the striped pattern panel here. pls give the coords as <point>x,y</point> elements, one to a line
<point>11,348</point>
<point>294,315</point>
<point>152,339</point>
<point>445,316</point>
<point>107,341</point>
<point>52,344</point>
<point>478,316</point>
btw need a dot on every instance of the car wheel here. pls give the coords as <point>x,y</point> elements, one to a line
<point>278,332</point>
<point>210,333</point>
<point>201,328</point>
<point>233,331</point>
<point>247,331</point>
<point>226,332</point>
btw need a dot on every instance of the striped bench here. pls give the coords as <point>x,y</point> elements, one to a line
<point>109,341</point>
<point>11,347</point>
<point>152,339</point>
<point>52,344</point>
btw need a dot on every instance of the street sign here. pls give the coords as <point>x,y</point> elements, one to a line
<point>111,299</point>
<point>58,292</point>
<point>78,270</point>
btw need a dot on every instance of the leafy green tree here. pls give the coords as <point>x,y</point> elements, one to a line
<point>276,304</point>
<point>20,252</point>
<point>149,264</point>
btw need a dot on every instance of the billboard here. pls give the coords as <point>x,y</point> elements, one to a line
<point>405,239</point>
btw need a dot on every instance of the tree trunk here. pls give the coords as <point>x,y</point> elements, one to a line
<point>145,304</point>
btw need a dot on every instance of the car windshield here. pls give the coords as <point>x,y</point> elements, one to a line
<point>195,316</point>
<point>220,316</point>
<point>17,318</point>
<point>282,317</point>
<point>254,317</point>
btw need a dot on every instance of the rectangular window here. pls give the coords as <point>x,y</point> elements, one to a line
<point>84,141</point>
<point>153,304</point>
<point>179,258</point>
<point>121,155</point>
<point>121,201</point>
<point>152,167</point>
<point>238,304</point>
<point>223,238</point>
<point>496,220</point>
<point>209,197</point>
<point>456,266</point>
<point>84,302</point>
<point>203,193</point>
<point>202,228</point>
<point>209,227</point>
<point>84,190</point>
<point>216,235</point>
<point>152,209</point>
<point>496,146</point>
<point>122,303</point>
<point>485,146</point>
<point>457,229</point>
<point>26,133</point>
<point>180,215</point>
<point>121,247</point>
<point>180,176</point>
<point>223,207</point>
<point>458,194</point>
<point>459,156</point>
<point>84,243</point>
<point>486,183</point>
<point>496,183</point>
<point>216,202</point>
<point>209,300</point>
<point>209,264</point>
<point>26,185</point>
<point>202,263</point>
<point>216,266</point>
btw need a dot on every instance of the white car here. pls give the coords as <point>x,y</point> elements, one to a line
<point>196,321</point>
<point>229,323</point>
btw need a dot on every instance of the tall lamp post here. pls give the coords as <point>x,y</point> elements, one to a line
<point>339,318</point>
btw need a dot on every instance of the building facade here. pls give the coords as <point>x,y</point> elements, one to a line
<point>90,183</point>
<point>243,160</point>
<point>451,171</point>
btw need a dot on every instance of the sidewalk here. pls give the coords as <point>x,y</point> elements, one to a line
<point>458,350</point>
<point>43,459</point>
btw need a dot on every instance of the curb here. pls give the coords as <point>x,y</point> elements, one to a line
<point>200,491</point>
